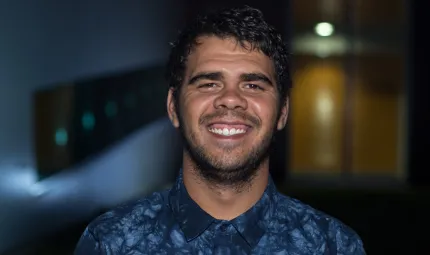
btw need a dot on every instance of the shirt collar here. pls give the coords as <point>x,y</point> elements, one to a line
<point>193,220</point>
<point>190,217</point>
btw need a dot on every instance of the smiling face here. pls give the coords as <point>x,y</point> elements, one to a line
<point>228,110</point>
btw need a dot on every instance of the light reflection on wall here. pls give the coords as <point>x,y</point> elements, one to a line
<point>19,179</point>
<point>322,47</point>
<point>317,116</point>
<point>324,113</point>
<point>325,108</point>
<point>364,132</point>
<point>145,161</point>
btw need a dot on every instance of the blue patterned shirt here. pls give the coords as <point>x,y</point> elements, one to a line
<point>170,222</point>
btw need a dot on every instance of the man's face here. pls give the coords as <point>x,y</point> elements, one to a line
<point>228,109</point>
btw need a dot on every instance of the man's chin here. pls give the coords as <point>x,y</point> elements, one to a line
<point>226,151</point>
<point>224,165</point>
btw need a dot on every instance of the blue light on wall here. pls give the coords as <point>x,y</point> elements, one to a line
<point>61,137</point>
<point>88,121</point>
<point>111,109</point>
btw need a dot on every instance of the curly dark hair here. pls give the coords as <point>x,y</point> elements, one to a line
<point>244,24</point>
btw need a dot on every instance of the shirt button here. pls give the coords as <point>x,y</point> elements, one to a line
<point>223,227</point>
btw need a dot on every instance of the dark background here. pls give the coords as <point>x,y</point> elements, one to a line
<point>60,60</point>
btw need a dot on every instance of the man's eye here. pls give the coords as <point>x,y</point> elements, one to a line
<point>254,86</point>
<point>207,85</point>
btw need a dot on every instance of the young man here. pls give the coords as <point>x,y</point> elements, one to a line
<point>229,84</point>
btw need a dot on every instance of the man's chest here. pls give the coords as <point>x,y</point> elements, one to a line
<point>174,242</point>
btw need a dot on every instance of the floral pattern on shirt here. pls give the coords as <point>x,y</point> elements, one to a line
<point>170,222</point>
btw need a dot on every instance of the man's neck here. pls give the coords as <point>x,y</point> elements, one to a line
<point>224,203</point>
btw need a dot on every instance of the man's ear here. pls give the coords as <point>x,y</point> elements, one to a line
<point>283,117</point>
<point>171,108</point>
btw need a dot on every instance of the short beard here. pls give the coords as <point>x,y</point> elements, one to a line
<point>237,178</point>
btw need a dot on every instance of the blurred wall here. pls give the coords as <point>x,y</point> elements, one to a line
<point>348,104</point>
<point>45,42</point>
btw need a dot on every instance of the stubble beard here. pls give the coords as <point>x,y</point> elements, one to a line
<point>214,171</point>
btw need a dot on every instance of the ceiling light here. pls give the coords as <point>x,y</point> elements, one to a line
<point>324,29</point>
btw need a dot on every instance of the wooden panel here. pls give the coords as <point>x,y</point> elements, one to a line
<point>377,97</point>
<point>366,12</point>
<point>371,12</point>
<point>317,115</point>
<point>377,105</point>
<point>313,11</point>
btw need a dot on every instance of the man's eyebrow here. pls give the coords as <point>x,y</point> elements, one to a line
<point>256,77</point>
<point>214,76</point>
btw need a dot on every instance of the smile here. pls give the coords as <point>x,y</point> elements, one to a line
<point>226,131</point>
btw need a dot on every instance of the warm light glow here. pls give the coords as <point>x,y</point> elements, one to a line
<point>324,29</point>
<point>325,107</point>
<point>312,44</point>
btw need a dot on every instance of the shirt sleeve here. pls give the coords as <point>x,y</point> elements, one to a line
<point>355,248</point>
<point>349,243</point>
<point>89,245</point>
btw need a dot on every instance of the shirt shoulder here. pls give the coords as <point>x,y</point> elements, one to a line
<point>127,225</point>
<point>320,228</point>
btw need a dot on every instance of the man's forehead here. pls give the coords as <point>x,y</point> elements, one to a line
<point>227,55</point>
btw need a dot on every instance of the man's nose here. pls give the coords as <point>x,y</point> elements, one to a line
<point>230,98</point>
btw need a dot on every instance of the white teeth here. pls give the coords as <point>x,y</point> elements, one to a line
<point>226,131</point>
